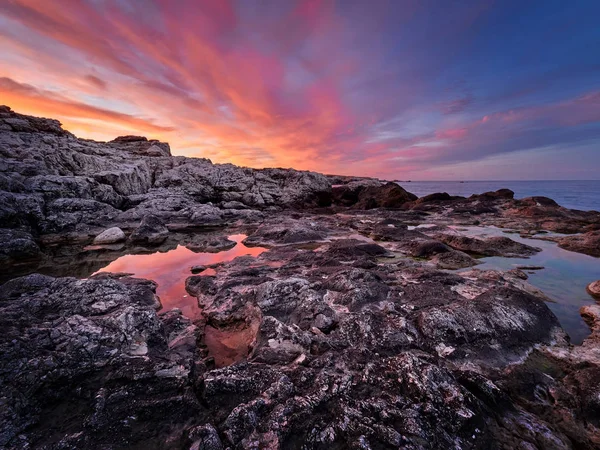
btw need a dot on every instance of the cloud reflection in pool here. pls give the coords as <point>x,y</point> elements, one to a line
<point>170,270</point>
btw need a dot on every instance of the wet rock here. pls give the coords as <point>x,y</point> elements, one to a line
<point>492,246</point>
<point>17,246</point>
<point>325,343</point>
<point>526,267</point>
<point>352,248</point>
<point>453,260</point>
<point>63,340</point>
<point>474,327</point>
<point>110,236</point>
<point>287,232</point>
<point>587,243</point>
<point>594,289</point>
<point>428,248</point>
<point>151,231</point>
<point>213,244</point>
<point>198,269</point>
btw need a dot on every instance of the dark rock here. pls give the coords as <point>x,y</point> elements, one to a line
<point>17,246</point>
<point>198,269</point>
<point>94,352</point>
<point>287,232</point>
<point>492,246</point>
<point>499,194</point>
<point>213,244</point>
<point>371,194</point>
<point>151,231</point>
<point>352,248</point>
<point>474,327</point>
<point>453,260</point>
<point>426,249</point>
<point>538,201</point>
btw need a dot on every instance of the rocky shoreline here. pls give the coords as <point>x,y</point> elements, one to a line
<point>366,324</point>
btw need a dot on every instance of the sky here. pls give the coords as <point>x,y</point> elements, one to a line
<point>399,89</point>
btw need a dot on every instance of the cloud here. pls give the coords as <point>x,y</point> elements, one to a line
<point>14,92</point>
<point>389,89</point>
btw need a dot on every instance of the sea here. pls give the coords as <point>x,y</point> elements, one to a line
<point>582,195</point>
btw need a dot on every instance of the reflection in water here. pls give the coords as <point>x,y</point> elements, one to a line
<point>170,270</point>
<point>564,277</point>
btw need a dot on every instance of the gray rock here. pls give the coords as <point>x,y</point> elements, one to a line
<point>151,231</point>
<point>110,236</point>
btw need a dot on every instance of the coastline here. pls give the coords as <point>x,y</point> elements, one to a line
<point>356,324</point>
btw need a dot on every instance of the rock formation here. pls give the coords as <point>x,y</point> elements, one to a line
<point>354,330</point>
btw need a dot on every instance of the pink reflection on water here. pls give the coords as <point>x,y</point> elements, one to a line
<point>170,270</point>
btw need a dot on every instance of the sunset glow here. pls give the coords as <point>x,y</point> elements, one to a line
<point>406,89</point>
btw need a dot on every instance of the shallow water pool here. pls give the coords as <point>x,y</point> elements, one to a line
<point>170,270</point>
<point>564,277</point>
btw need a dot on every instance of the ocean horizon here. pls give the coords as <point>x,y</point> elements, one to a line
<point>574,194</point>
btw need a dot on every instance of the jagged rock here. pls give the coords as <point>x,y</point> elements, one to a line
<point>135,176</point>
<point>110,236</point>
<point>151,231</point>
<point>64,339</point>
<point>346,338</point>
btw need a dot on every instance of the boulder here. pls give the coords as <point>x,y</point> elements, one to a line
<point>110,236</point>
<point>369,194</point>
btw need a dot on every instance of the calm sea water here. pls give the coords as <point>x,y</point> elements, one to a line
<point>583,195</point>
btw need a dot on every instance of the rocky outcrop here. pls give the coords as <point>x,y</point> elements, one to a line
<point>17,246</point>
<point>52,182</point>
<point>369,194</point>
<point>92,353</point>
<point>344,334</point>
<point>588,243</point>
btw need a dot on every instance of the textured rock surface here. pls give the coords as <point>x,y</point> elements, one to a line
<point>594,289</point>
<point>588,243</point>
<point>151,231</point>
<point>368,194</point>
<point>51,182</point>
<point>345,334</point>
